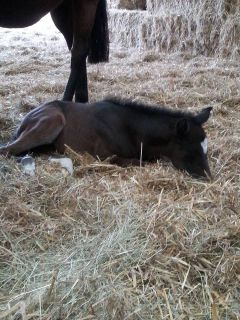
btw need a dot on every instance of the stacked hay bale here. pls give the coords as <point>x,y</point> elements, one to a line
<point>201,26</point>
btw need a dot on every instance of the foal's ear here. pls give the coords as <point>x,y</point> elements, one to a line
<point>203,115</point>
<point>182,127</point>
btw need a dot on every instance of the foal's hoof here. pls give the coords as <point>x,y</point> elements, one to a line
<point>65,163</point>
<point>28,165</point>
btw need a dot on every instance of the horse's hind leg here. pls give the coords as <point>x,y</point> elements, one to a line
<point>62,18</point>
<point>75,19</point>
<point>42,131</point>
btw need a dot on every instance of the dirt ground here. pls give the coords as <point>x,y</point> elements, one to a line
<point>111,242</point>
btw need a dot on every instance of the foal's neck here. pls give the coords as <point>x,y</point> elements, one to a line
<point>156,126</point>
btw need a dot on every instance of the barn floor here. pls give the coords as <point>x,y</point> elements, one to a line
<point>111,242</point>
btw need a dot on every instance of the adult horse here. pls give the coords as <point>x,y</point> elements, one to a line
<point>83,24</point>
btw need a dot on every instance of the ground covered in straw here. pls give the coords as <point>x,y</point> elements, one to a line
<point>111,242</point>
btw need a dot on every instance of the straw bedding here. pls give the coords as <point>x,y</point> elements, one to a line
<point>111,242</point>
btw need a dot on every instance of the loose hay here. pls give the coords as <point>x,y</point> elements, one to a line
<point>121,243</point>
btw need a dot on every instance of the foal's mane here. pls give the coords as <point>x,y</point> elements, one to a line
<point>149,109</point>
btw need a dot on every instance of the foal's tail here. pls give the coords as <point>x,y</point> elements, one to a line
<point>99,43</point>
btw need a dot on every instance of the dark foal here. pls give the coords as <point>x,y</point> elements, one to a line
<point>116,127</point>
<point>83,24</point>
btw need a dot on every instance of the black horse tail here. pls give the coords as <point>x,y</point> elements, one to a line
<point>99,42</point>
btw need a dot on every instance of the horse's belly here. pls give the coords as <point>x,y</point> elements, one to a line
<point>18,21</point>
<point>21,14</point>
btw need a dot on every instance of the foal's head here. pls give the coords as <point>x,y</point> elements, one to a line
<point>188,146</point>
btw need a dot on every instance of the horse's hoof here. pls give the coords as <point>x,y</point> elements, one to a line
<point>28,165</point>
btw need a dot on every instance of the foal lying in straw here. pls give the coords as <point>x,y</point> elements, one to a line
<point>125,129</point>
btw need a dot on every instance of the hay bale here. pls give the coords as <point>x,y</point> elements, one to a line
<point>201,27</point>
<point>145,32</point>
<point>125,27</point>
<point>130,4</point>
<point>188,6</point>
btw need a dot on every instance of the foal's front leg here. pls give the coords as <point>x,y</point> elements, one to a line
<point>43,131</point>
<point>126,162</point>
